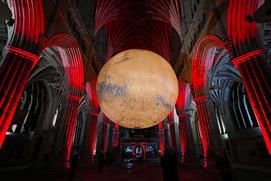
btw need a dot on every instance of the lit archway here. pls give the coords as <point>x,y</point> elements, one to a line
<point>17,63</point>
<point>202,60</point>
<point>72,62</point>
<point>251,61</point>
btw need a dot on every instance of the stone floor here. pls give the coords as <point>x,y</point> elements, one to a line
<point>144,171</point>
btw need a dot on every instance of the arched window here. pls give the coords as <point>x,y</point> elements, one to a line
<point>55,118</point>
<point>29,109</point>
<point>241,109</point>
<point>220,121</point>
<point>3,36</point>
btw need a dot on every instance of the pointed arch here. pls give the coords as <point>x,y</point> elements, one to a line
<point>72,61</point>
<point>28,25</point>
<point>17,63</point>
<point>245,35</point>
<point>202,61</point>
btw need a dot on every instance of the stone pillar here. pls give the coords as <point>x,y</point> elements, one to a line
<point>115,145</point>
<point>256,76</point>
<point>204,125</point>
<point>173,136</point>
<point>15,69</point>
<point>71,117</point>
<point>161,138</point>
<point>116,136</point>
<point>177,138</point>
<point>92,135</point>
<point>100,134</point>
<point>167,136</point>
<point>106,138</point>
<point>183,134</point>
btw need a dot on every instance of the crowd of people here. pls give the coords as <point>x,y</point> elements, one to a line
<point>169,163</point>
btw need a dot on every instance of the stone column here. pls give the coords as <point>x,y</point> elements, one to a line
<point>93,134</point>
<point>256,76</point>
<point>172,133</point>
<point>177,138</point>
<point>100,134</point>
<point>116,136</point>
<point>71,117</point>
<point>106,138</point>
<point>183,134</point>
<point>116,151</point>
<point>15,69</point>
<point>161,138</point>
<point>167,136</point>
<point>204,125</point>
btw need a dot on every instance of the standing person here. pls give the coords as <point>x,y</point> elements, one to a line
<point>169,164</point>
<point>100,162</point>
<point>73,162</point>
<point>201,161</point>
<point>224,166</point>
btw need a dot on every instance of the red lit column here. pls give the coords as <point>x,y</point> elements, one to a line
<point>173,136</point>
<point>183,134</point>
<point>105,137</point>
<point>115,142</point>
<point>204,124</point>
<point>71,117</point>
<point>161,137</point>
<point>14,71</point>
<point>116,136</point>
<point>167,133</point>
<point>256,75</point>
<point>93,134</point>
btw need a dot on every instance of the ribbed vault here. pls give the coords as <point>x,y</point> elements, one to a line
<point>140,24</point>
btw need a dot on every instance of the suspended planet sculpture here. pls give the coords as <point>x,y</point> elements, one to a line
<point>137,88</point>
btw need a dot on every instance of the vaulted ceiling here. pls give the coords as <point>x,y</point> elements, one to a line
<point>145,24</point>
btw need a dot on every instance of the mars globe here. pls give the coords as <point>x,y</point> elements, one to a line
<point>137,88</point>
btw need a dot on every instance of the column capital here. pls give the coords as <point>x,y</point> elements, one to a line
<point>22,53</point>
<point>249,56</point>
<point>74,98</point>
<point>199,99</point>
<point>183,115</point>
<point>94,114</point>
<point>116,126</point>
<point>160,125</point>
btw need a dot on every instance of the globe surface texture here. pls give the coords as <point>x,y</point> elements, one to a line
<point>137,88</point>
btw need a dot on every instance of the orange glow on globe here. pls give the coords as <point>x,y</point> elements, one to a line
<point>137,88</point>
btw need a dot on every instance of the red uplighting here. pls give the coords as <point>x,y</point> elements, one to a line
<point>17,64</point>
<point>183,133</point>
<point>93,134</point>
<point>240,30</point>
<point>202,125</point>
<point>91,91</point>
<point>246,57</point>
<point>138,25</point>
<point>71,59</point>
<point>14,73</point>
<point>258,89</point>
<point>161,141</point>
<point>202,61</point>
<point>71,117</point>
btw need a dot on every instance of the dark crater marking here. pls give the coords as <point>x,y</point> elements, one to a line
<point>124,59</point>
<point>106,87</point>
<point>162,100</point>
